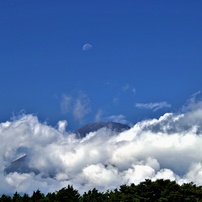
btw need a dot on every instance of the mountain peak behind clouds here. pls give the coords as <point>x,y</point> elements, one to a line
<point>92,127</point>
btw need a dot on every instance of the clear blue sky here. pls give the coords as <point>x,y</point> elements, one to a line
<point>146,58</point>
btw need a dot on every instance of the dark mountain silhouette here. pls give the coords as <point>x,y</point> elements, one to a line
<point>92,127</point>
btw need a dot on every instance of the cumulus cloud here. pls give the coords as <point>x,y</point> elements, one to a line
<point>154,106</point>
<point>62,126</point>
<point>168,147</point>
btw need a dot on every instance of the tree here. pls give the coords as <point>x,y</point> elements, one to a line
<point>68,194</point>
<point>37,196</point>
<point>17,197</point>
<point>5,198</point>
<point>94,196</point>
<point>25,198</point>
<point>51,197</point>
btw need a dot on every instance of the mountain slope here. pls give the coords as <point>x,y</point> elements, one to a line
<point>92,127</point>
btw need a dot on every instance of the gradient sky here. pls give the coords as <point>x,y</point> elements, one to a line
<point>145,58</point>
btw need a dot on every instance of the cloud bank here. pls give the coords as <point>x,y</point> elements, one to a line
<point>168,147</point>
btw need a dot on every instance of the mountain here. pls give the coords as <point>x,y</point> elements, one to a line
<point>20,165</point>
<point>92,127</point>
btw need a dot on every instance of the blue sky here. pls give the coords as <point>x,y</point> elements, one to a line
<point>145,59</point>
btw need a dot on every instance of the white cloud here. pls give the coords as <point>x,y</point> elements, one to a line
<point>168,147</point>
<point>137,173</point>
<point>166,174</point>
<point>62,126</point>
<point>154,106</point>
<point>100,175</point>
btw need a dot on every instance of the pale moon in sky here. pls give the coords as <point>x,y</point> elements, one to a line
<point>87,47</point>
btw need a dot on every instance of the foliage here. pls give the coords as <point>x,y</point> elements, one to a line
<point>68,194</point>
<point>147,191</point>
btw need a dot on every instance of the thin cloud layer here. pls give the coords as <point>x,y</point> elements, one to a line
<point>168,147</point>
<point>117,118</point>
<point>154,106</point>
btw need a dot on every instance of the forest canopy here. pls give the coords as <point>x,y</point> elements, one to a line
<point>159,190</point>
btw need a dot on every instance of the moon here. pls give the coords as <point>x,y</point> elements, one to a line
<point>87,47</point>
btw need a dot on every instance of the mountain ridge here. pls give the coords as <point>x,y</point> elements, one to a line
<point>92,127</point>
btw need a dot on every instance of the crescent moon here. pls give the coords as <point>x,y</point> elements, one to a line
<point>87,47</point>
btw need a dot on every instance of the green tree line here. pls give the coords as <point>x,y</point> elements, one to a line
<point>147,191</point>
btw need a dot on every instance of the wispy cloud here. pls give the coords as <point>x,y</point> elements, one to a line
<point>65,104</point>
<point>99,115</point>
<point>153,106</point>
<point>78,106</point>
<point>193,102</point>
<point>81,106</point>
<point>194,98</point>
<point>133,90</point>
<point>116,99</point>
<point>120,91</point>
<point>126,87</point>
<point>117,118</point>
<point>129,88</point>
